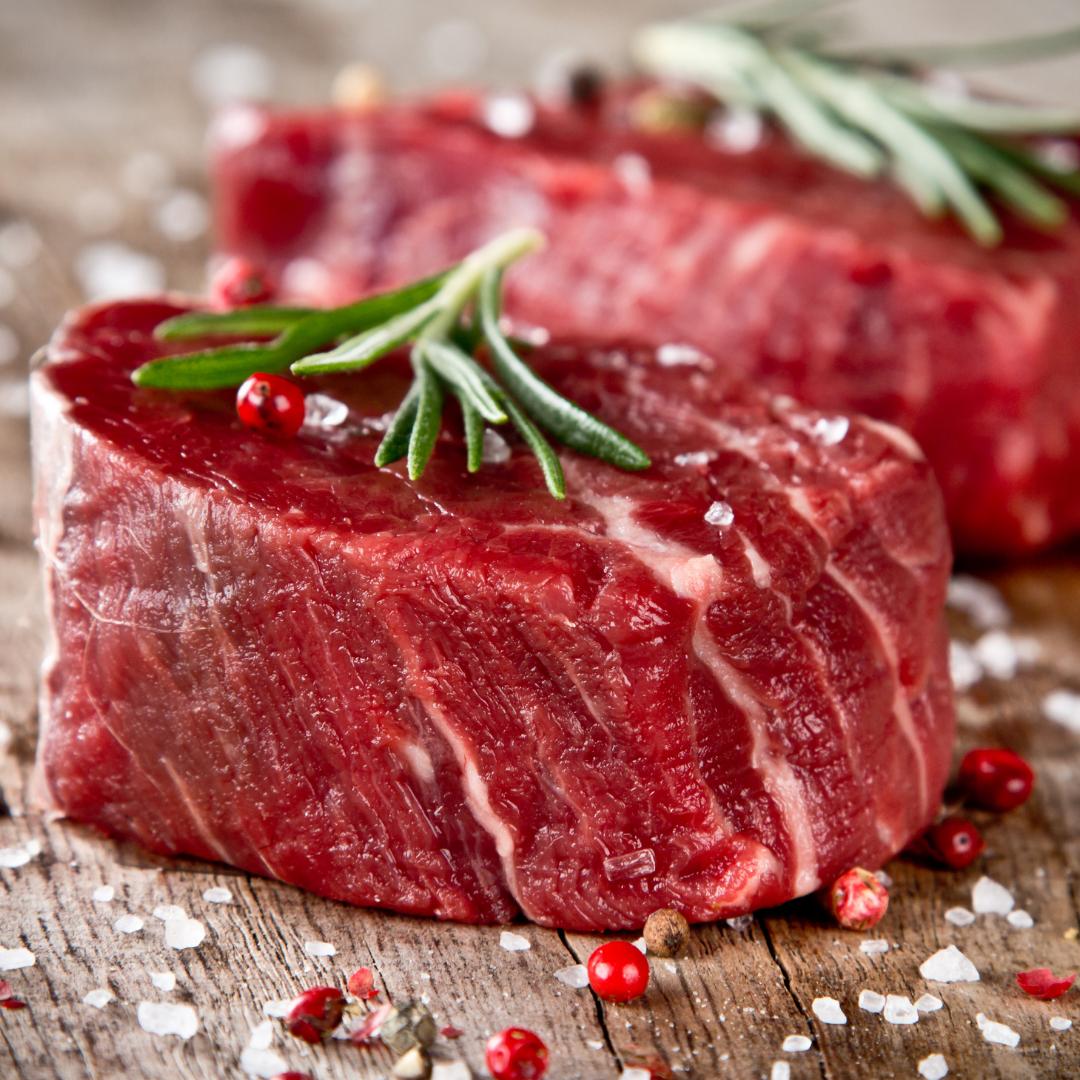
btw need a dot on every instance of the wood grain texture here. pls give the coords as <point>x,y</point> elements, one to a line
<point>69,117</point>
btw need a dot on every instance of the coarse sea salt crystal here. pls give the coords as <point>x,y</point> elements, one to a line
<point>98,998</point>
<point>13,959</point>
<point>322,412</point>
<point>720,513</point>
<point>634,1073</point>
<point>1060,1023</point>
<point>319,948</point>
<point>980,601</point>
<point>781,1070</point>
<point>828,1010</point>
<point>217,895</point>
<point>872,946</point>
<point>595,1044</point>
<point>640,945</point>
<point>830,432</point>
<point>164,1018</point>
<point>959,916</point>
<point>103,894</point>
<point>450,1070</point>
<point>949,965</point>
<point>1063,707</point>
<point>166,912</point>
<point>674,355</point>
<point>163,980</point>
<point>884,878</point>
<point>796,1044</point>
<point>990,898</point>
<point>695,457</point>
<point>964,670</point>
<point>740,922</point>
<point>928,1003</point>
<point>514,942</point>
<point>899,1010</point>
<point>262,1063</point>
<point>184,933</point>
<point>278,1009</point>
<point>262,1035</point>
<point>33,848</point>
<point>509,115</point>
<point>933,1067</point>
<point>997,653</point>
<point>994,1032</point>
<point>871,1001</point>
<point>496,450</point>
<point>14,857</point>
<point>128,924</point>
<point>575,976</point>
<point>1020,919</point>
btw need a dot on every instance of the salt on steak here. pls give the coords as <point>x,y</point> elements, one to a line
<point>712,685</point>
<point>813,283</point>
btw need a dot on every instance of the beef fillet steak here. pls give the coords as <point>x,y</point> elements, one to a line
<point>713,685</point>
<point>812,282</point>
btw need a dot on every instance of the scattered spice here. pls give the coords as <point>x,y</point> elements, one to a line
<point>666,932</point>
<point>292,1076</point>
<point>408,1025</point>
<point>618,971</point>
<point>236,283</point>
<point>996,779</point>
<point>994,1032</point>
<point>517,1054</point>
<point>1021,920</point>
<point>270,405</point>
<point>451,1032</point>
<point>933,1067</point>
<point>514,942</point>
<point>98,998</point>
<point>362,983</point>
<point>857,899</point>
<point>371,1026</point>
<point>949,965</point>
<point>899,1010</point>
<point>128,924</point>
<point>1041,983</point>
<point>828,1010</point>
<point>315,1013</point>
<point>414,1064</point>
<point>165,1019</point>
<point>988,897</point>
<point>871,1001</point>
<point>954,842</point>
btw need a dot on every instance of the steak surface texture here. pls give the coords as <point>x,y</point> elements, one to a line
<point>813,283</point>
<point>713,685</point>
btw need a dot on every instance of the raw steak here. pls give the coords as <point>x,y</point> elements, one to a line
<point>712,685</point>
<point>813,283</point>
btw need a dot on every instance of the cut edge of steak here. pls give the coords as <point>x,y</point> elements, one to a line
<point>458,697</point>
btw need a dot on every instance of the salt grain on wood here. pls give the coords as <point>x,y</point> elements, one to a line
<point>928,1003</point>
<point>871,1001</point>
<point>103,894</point>
<point>959,916</point>
<point>163,980</point>
<point>169,911</point>
<point>634,1073</point>
<point>184,933</point>
<point>781,1070</point>
<point>874,946</point>
<point>278,1009</point>
<point>514,942</point>
<point>1063,707</point>
<point>451,1070</point>
<point>990,898</point>
<point>1060,1023</point>
<point>98,998</point>
<point>262,1036</point>
<point>933,1067</point>
<point>828,1011</point>
<point>166,1019</point>
<point>740,922</point>
<point>899,1010</point>
<point>128,924</point>
<point>319,948</point>
<point>949,965</point>
<point>576,977</point>
<point>218,895</point>
<point>796,1044</point>
<point>262,1063</point>
<point>980,601</point>
<point>1020,919</point>
<point>13,857</point>
<point>994,1032</point>
<point>13,959</point>
<point>33,848</point>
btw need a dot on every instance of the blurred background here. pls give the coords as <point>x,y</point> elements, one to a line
<point>104,104</point>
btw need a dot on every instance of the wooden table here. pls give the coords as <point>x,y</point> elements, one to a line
<point>68,118</point>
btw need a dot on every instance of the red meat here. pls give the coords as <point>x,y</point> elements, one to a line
<point>813,283</point>
<point>459,697</point>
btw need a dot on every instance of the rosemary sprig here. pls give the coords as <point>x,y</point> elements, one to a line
<point>868,113</point>
<point>434,316</point>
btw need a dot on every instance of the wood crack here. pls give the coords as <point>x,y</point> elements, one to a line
<point>600,1018</point>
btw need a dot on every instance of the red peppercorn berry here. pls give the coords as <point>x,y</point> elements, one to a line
<point>1041,983</point>
<point>315,1013</point>
<point>361,983</point>
<point>271,405</point>
<point>618,971</point>
<point>516,1054</point>
<point>451,1032</point>
<point>236,283</point>
<point>857,899</point>
<point>996,779</point>
<point>293,1076</point>
<point>955,842</point>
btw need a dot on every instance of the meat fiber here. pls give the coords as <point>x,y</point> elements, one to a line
<point>713,685</point>
<point>811,282</point>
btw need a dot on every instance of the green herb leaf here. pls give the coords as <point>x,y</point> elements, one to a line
<point>569,423</point>
<point>474,435</point>
<point>243,322</point>
<point>425,430</point>
<point>548,459</point>
<point>466,377</point>
<point>395,443</point>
